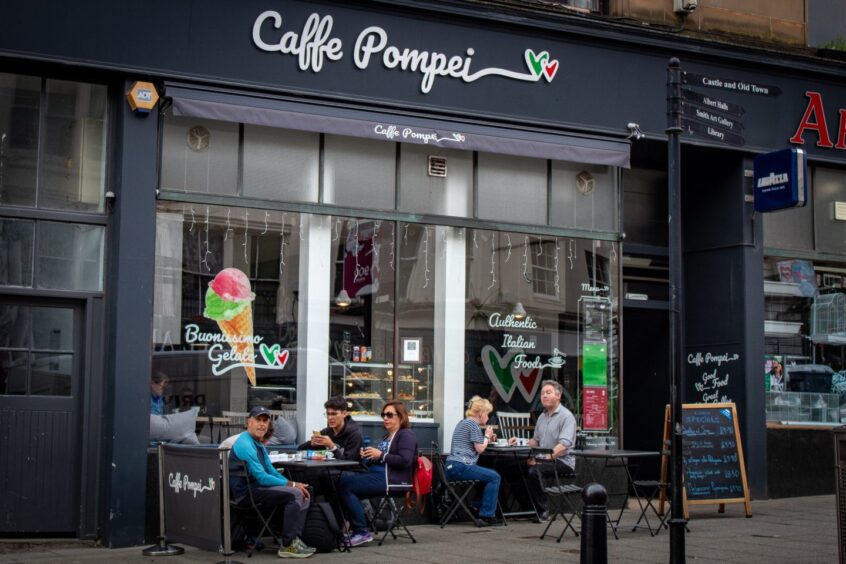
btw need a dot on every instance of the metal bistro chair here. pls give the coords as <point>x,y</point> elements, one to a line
<point>251,513</point>
<point>517,425</point>
<point>457,492</point>
<point>561,493</point>
<point>386,508</point>
<point>646,493</point>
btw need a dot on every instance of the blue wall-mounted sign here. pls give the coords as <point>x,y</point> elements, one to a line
<point>781,180</point>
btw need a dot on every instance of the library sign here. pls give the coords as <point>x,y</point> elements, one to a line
<point>314,45</point>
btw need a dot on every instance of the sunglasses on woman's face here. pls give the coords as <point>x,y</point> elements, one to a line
<point>389,415</point>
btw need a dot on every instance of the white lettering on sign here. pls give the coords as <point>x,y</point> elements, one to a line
<point>711,381</point>
<point>183,483</point>
<point>391,132</point>
<point>509,342</point>
<point>311,46</point>
<point>315,44</point>
<point>496,320</point>
<point>224,360</point>
<point>772,179</point>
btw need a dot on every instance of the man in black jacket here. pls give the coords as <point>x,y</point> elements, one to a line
<point>342,436</point>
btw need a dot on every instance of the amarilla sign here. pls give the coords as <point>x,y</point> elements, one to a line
<point>314,45</point>
<point>814,120</point>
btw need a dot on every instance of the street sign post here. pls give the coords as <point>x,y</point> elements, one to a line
<point>713,132</point>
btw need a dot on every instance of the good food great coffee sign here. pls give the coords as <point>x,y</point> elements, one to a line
<point>315,46</point>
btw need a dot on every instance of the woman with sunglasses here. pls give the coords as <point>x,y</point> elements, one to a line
<point>390,467</point>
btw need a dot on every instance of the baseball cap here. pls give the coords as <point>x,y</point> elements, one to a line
<point>259,410</point>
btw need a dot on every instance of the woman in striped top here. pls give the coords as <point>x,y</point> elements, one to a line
<point>468,442</point>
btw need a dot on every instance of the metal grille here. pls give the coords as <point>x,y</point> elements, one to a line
<point>437,166</point>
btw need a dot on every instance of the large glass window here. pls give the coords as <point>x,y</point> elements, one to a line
<point>225,327</point>
<point>543,308</point>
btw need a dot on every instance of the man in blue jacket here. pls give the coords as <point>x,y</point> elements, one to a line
<point>269,487</point>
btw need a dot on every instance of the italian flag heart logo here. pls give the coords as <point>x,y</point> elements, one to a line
<point>540,65</point>
<point>506,377</point>
<point>274,356</point>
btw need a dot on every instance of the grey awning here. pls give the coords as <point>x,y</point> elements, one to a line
<point>438,133</point>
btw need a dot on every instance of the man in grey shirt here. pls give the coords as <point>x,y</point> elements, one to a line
<point>555,430</point>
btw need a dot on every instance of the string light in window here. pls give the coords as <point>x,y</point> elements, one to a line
<point>337,234</point>
<point>266,215</point>
<point>571,252</point>
<point>191,229</point>
<point>426,256</point>
<point>207,252</point>
<point>393,243</point>
<point>508,256</point>
<point>246,236</point>
<point>228,225</point>
<point>282,243</point>
<point>493,260</point>
<point>557,278</point>
<point>376,245</point>
<point>526,259</point>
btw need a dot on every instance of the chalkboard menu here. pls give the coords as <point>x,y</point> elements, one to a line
<point>712,455</point>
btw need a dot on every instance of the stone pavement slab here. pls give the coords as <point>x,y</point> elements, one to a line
<point>794,530</point>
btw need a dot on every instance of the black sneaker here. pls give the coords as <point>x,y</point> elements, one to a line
<point>489,522</point>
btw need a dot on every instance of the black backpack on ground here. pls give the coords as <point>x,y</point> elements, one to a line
<point>321,530</point>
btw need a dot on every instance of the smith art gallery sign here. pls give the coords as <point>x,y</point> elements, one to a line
<point>314,45</point>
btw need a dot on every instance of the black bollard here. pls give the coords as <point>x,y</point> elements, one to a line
<point>594,537</point>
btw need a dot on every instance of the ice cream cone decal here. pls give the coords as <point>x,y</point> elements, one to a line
<point>228,302</point>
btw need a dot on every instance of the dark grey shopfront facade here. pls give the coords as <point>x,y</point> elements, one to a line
<point>325,69</point>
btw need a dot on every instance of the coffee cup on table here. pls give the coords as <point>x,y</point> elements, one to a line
<point>501,442</point>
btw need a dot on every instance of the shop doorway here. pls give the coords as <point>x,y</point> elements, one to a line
<point>646,360</point>
<point>40,402</point>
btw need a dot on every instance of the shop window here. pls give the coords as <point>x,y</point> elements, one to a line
<point>69,256</point>
<point>52,155</point>
<point>516,337</point>
<point>583,196</point>
<point>225,327</point>
<point>359,173</point>
<point>281,164</point>
<point>16,248</point>
<point>200,155</point>
<point>645,207</point>
<point>829,189</point>
<point>512,189</point>
<point>36,350</point>
<point>421,192</point>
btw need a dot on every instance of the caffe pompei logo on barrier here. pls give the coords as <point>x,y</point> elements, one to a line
<point>184,483</point>
<point>314,45</point>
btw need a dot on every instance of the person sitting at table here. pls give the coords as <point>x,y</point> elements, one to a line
<point>158,383</point>
<point>269,487</point>
<point>390,465</point>
<point>468,443</point>
<point>555,430</point>
<point>342,435</point>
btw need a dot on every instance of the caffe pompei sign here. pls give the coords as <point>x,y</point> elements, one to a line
<point>315,47</point>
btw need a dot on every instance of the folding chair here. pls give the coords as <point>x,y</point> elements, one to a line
<point>646,493</point>
<point>517,425</point>
<point>560,492</point>
<point>251,513</point>
<point>387,506</point>
<point>456,491</point>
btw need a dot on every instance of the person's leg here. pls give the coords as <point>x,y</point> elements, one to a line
<point>491,479</point>
<point>536,489</point>
<point>353,488</point>
<point>289,519</point>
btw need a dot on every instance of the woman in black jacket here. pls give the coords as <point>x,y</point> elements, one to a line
<point>390,467</point>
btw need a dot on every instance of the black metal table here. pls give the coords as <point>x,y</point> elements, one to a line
<point>513,456</point>
<point>620,458</point>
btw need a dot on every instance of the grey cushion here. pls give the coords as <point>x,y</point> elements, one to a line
<point>284,432</point>
<point>175,427</point>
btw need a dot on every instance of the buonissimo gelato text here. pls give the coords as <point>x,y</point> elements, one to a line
<point>314,45</point>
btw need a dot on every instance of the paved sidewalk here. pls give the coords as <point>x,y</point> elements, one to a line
<point>796,530</point>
